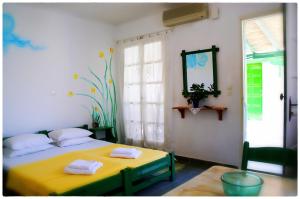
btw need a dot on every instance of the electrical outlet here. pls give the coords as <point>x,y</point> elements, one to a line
<point>229,90</point>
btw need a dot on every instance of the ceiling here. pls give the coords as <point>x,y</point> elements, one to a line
<point>264,34</point>
<point>112,13</point>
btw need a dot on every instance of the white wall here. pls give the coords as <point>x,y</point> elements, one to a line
<point>35,83</point>
<point>202,136</point>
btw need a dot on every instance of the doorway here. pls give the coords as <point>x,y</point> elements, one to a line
<point>263,84</point>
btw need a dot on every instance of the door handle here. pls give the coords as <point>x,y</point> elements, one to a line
<point>290,108</point>
<point>281,96</point>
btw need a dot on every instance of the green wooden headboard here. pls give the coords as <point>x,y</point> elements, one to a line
<point>45,132</point>
<point>85,126</point>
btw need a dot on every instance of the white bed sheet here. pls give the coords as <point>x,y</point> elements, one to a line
<point>51,152</point>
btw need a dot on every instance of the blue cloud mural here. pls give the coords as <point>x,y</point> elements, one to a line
<point>10,38</point>
<point>197,60</point>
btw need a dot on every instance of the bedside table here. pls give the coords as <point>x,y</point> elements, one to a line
<point>103,133</point>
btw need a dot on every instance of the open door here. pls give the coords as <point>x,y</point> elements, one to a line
<point>263,81</point>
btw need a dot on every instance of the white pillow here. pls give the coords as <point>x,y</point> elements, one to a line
<point>26,140</point>
<point>13,153</point>
<point>69,133</point>
<point>74,141</point>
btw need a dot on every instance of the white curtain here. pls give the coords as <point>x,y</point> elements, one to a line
<point>143,91</point>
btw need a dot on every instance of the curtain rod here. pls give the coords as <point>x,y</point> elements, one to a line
<point>140,37</point>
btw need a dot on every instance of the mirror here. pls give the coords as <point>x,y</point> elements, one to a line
<point>200,67</point>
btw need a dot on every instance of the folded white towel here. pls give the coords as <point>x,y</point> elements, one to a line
<point>127,151</point>
<point>92,170</point>
<point>83,164</point>
<point>133,155</point>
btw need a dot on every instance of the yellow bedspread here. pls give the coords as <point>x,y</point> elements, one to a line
<point>47,176</point>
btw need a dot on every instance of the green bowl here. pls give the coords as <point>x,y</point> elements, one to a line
<point>241,183</point>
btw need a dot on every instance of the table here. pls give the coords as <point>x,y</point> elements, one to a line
<point>208,183</point>
<point>104,133</point>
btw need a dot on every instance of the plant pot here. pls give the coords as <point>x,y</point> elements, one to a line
<point>105,132</point>
<point>198,103</point>
<point>95,124</point>
<point>195,103</point>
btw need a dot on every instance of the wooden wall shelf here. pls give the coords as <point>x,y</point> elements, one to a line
<point>218,109</point>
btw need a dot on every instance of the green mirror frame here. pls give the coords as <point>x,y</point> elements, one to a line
<point>214,51</point>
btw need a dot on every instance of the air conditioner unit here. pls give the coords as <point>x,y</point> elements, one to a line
<point>184,14</point>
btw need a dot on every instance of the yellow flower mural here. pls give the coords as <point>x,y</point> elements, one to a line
<point>75,76</point>
<point>93,90</point>
<point>111,50</point>
<point>102,93</point>
<point>101,54</point>
<point>70,93</point>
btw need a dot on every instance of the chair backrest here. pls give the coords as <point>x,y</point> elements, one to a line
<point>273,155</point>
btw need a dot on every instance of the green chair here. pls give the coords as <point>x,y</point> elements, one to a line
<point>274,155</point>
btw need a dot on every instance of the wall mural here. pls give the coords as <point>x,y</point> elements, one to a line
<point>102,93</point>
<point>10,38</point>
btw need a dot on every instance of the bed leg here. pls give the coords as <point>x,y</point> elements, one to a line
<point>126,176</point>
<point>172,166</point>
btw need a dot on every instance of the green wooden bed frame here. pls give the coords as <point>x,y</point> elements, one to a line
<point>127,182</point>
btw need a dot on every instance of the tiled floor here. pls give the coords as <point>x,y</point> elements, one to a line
<point>185,170</point>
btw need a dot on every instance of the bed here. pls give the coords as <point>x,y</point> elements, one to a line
<point>122,177</point>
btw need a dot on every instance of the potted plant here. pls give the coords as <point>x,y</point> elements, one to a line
<point>198,93</point>
<point>95,117</point>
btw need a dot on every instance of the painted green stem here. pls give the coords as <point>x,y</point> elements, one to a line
<point>93,84</point>
<point>105,83</point>
<point>98,89</point>
<point>114,105</point>
<point>98,78</point>
<point>93,98</point>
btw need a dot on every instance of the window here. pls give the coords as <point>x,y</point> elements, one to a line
<point>143,97</point>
